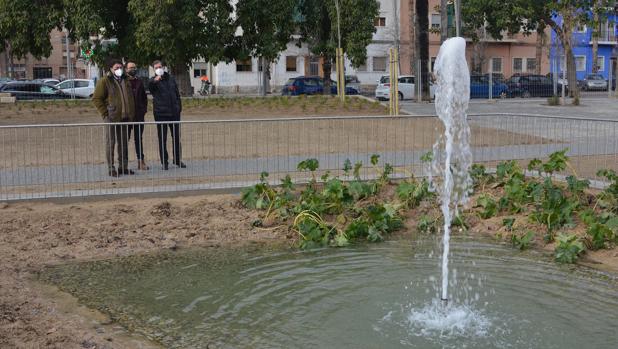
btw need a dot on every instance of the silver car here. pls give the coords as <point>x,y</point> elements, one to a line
<point>594,82</point>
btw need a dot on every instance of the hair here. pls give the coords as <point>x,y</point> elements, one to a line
<point>130,61</point>
<point>113,61</point>
<point>157,61</point>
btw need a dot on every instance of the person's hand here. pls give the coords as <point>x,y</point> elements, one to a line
<point>158,78</point>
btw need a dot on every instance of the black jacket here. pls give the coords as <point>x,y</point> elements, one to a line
<point>166,98</point>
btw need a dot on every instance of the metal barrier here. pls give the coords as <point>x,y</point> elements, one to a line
<point>68,160</point>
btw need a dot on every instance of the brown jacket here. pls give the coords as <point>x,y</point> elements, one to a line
<point>114,99</point>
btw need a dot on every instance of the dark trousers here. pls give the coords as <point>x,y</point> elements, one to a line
<point>117,135</point>
<point>162,134</point>
<point>138,136</point>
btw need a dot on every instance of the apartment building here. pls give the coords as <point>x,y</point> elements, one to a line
<point>54,66</point>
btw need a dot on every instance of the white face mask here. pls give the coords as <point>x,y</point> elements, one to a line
<point>118,72</point>
<point>159,71</point>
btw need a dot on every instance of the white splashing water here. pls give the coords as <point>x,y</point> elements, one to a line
<point>452,97</point>
<point>437,320</point>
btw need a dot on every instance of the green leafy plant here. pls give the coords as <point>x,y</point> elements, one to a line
<point>508,223</point>
<point>412,193</point>
<point>522,241</point>
<point>315,232</point>
<point>488,204</point>
<point>608,198</point>
<point>569,248</point>
<point>479,176</point>
<point>427,224</point>
<point>260,195</point>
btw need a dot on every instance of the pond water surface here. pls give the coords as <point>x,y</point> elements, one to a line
<point>366,296</point>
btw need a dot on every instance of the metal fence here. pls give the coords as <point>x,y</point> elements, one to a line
<point>69,160</point>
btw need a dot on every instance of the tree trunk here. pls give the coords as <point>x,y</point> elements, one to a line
<point>540,44</point>
<point>443,20</point>
<point>183,79</point>
<point>565,36</point>
<point>327,68</point>
<point>595,37</point>
<point>422,32</point>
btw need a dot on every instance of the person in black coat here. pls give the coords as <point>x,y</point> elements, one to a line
<point>166,108</point>
<point>141,107</point>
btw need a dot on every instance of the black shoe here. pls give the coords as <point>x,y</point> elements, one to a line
<point>166,167</point>
<point>113,173</point>
<point>180,164</point>
<point>126,172</point>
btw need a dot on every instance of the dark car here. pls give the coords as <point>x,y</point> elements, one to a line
<point>303,85</point>
<point>311,85</point>
<point>28,90</point>
<point>530,85</point>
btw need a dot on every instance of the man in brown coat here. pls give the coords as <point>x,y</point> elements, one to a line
<point>113,98</point>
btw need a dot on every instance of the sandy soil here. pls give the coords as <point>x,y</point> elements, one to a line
<point>35,234</point>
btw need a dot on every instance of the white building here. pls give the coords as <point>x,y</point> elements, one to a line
<point>245,76</point>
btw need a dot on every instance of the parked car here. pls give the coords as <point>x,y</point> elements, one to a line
<point>406,87</point>
<point>479,86</point>
<point>25,90</point>
<point>80,87</point>
<point>593,82</point>
<point>530,85</point>
<point>52,82</point>
<point>353,82</point>
<point>349,90</point>
<point>303,85</point>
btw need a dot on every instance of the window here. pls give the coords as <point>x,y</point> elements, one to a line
<point>435,20</point>
<point>244,65</point>
<point>199,72</point>
<point>290,64</point>
<point>66,84</point>
<point>601,63</point>
<point>379,63</point>
<point>580,63</point>
<point>433,63</point>
<point>518,65</point>
<point>312,82</point>
<point>531,65</point>
<point>496,65</point>
<point>81,83</point>
<point>379,22</point>
<point>47,89</point>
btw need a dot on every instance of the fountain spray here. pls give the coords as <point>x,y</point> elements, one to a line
<point>452,97</point>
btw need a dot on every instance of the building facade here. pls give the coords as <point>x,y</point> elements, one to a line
<point>54,66</point>
<point>583,49</point>
<point>512,54</point>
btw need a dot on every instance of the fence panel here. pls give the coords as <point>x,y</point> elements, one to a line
<point>41,161</point>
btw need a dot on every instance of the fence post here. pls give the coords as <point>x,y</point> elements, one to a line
<point>564,76</point>
<point>609,81</point>
<point>491,85</point>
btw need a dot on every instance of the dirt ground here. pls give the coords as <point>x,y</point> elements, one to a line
<point>205,139</point>
<point>35,234</point>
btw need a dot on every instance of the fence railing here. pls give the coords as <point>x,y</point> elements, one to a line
<point>67,160</point>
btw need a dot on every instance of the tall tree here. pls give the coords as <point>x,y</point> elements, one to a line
<point>181,31</point>
<point>318,28</point>
<point>422,46</point>
<point>267,28</point>
<point>25,27</point>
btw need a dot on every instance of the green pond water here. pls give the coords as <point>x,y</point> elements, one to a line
<point>368,296</point>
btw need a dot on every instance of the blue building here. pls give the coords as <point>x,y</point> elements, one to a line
<point>582,49</point>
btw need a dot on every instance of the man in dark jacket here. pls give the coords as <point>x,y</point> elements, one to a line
<point>113,99</point>
<point>141,107</point>
<point>166,108</point>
